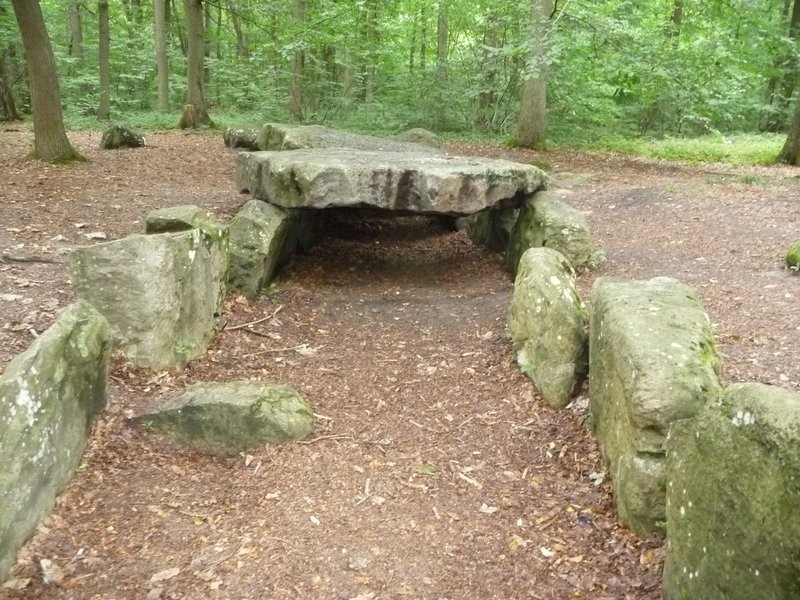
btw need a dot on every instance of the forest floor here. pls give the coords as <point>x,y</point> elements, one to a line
<point>435,472</point>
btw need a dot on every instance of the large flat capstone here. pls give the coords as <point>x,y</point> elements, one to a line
<point>392,180</point>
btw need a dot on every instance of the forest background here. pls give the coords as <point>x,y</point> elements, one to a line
<point>616,74</point>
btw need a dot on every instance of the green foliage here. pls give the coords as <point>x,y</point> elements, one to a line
<point>620,72</point>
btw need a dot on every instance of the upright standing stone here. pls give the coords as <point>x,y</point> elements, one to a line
<point>258,234</point>
<point>161,293</point>
<point>547,221</point>
<point>49,396</point>
<point>733,498</point>
<point>547,323</point>
<point>652,361</point>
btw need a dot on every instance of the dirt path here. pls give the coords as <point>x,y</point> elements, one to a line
<point>434,472</point>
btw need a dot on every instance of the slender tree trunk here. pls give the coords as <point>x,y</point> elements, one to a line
<point>780,88</point>
<point>675,19</point>
<point>791,149</point>
<point>371,43</point>
<point>195,111</point>
<point>8,105</point>
<point>532,127</point>
<point>242,45</point>
<point>76,30</point>
<point>487,97</point>
<point>296,85</point>
<point>208,26</point>
<point>162,64</point>
<point>104,60</point>
<point>442,39</point>
<point>423,37</point>
<point>50,141</point>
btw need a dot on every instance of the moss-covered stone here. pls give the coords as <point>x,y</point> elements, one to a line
<point>258,233</point>
<point>161,293</point>
<point>178,218</point>
<point>228,418</point>
<point>547,323</point>
<point>492,228</point>
<point>652,362</point>
<point>793,257</point>
<point>278,136</point>
<point>121,136</point>
<point>418,135</point>
<point>49,396</point>
<point>241,137</point>
<point>733,498</point>
<point>546,221</point>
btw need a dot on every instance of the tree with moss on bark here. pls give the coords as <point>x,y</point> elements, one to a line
<point>195,110</point>
<point>50,142</point>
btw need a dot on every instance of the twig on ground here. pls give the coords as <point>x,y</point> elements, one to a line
<point>335,436</point>
<point>256,322</point>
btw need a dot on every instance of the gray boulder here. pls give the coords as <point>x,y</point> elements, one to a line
<point>228,418</point>
<point>547,323</point>
<point>276,136</point>
<point>418,135</point>
<point>652,361</point>
<point>120,136</point>
<point>402,181</point>
<point>161,293</point>
<point>258,234</point>
<point>733,498</point>
<point>49,396</point>
<point>241,137</point>
<point>546,221</point>
<point>178,218</point>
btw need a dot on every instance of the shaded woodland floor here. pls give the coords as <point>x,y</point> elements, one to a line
<point>435,472</point>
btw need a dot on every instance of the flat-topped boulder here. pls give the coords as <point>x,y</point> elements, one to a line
<point>277,136</point>
<point>417,182</point>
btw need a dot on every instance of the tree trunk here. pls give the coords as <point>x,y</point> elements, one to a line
<point>76,31</point>
<point>442,39</point>
<point>371,43</point>
<point>780,88</point>
<point>162,64</point>
<point>242,45</point>
<point>8,105</point>
<point>50,141</point>
<point>487,97</point>
<point>532,127</point>
<point>423,37</point>
<point>298,58</point>
<point>195,111</point>
<point>208,26</point>
<point>791,149</point>
<point>104,60</point>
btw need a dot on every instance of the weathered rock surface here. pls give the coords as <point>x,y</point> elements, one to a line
<point>733,498</point>
<point>418,135</point>
<point>49,396</point>
<point>403,181</point>
<point>547,323</point>
<point>120,136</point>
<point>258,234</point>
<point>652,361</point>
<point>793,257</point>
<point>161,293</point>
<point>178,218</point>
<point>241,137</point>
<point>228,418</point>
<point>492,228</point>
<point>277,136</point>
<point>546,221</point>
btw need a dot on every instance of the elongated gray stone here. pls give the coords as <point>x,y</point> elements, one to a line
<point>733,498</point>
<point>278,136</point>
<point>228,418</point>
<point>402,181</point>
<point>49,396</point>
<point>653,361</point>
<point>258,234</point>
<point>546,221</point>
<point>547,324</point>
<point>161,293</point>
<point>178,218</point>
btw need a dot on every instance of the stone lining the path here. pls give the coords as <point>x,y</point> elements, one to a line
<point>49,396</point>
